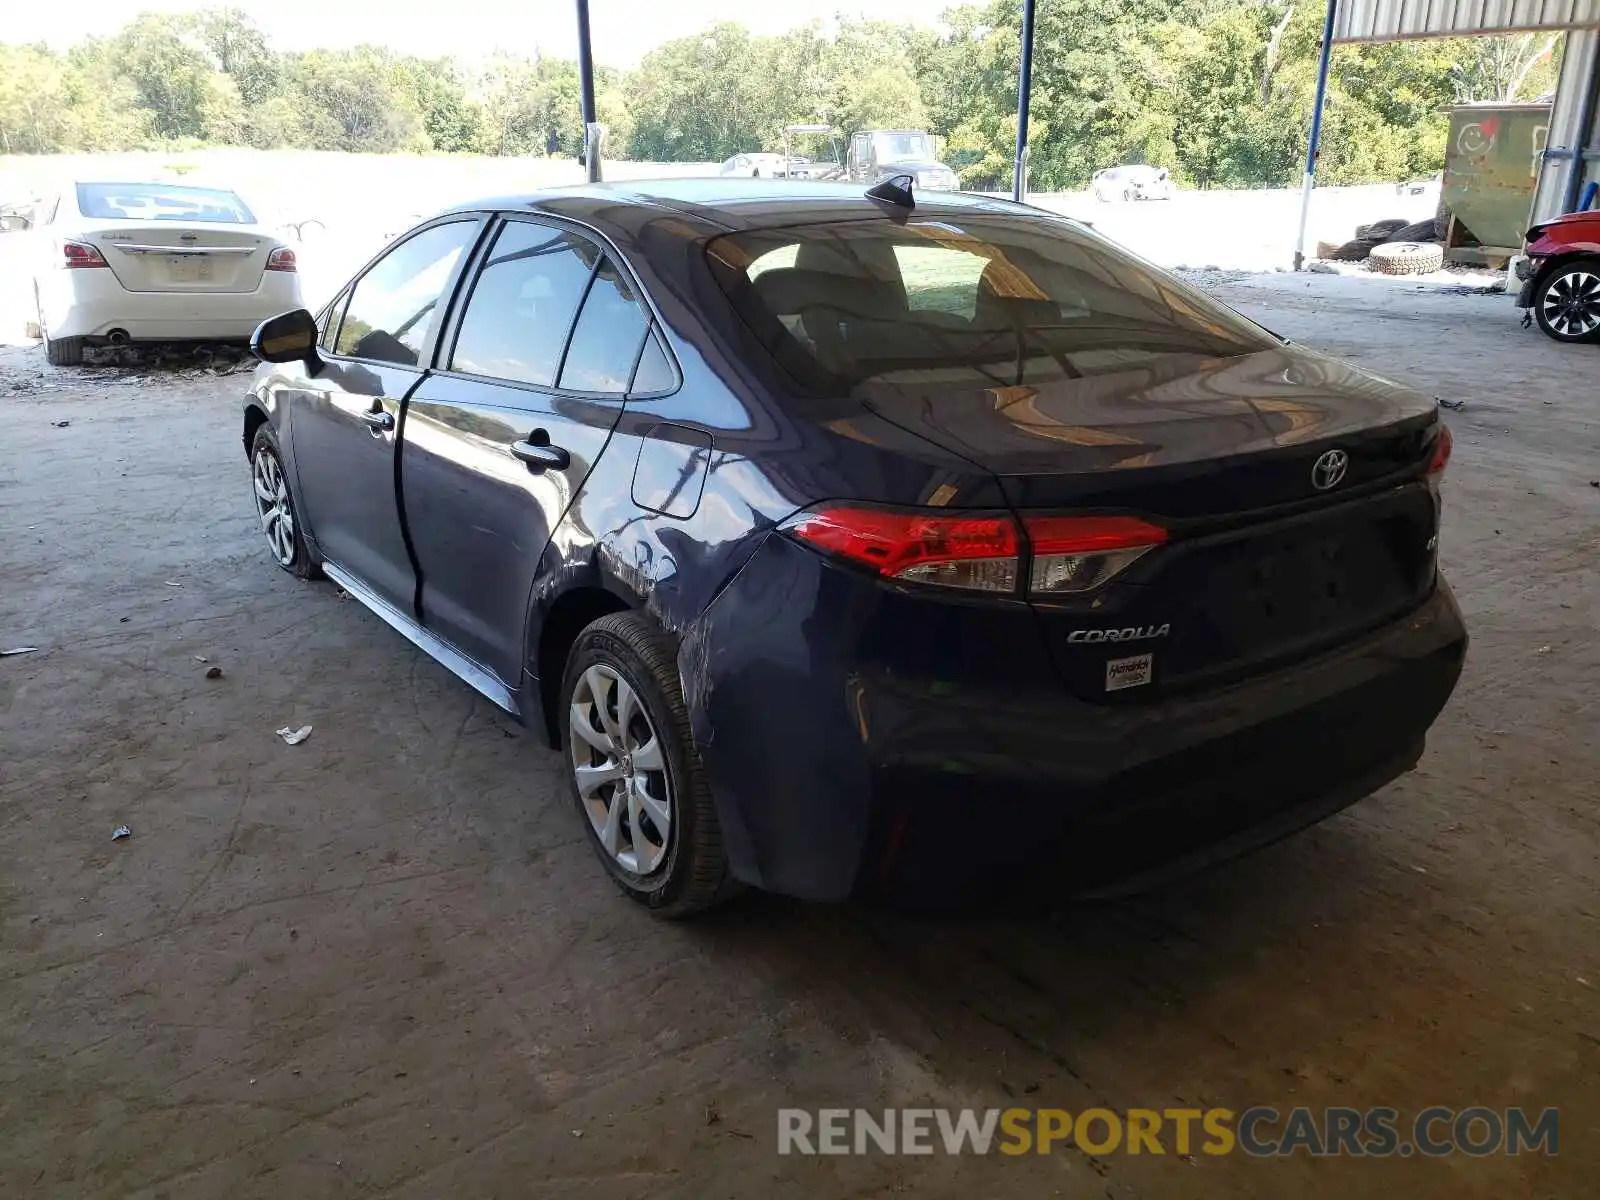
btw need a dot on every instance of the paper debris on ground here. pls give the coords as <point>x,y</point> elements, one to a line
<point>295,736</point>
<point>19,650</point>
<point>120,832</point>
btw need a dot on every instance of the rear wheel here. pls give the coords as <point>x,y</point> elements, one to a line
<point>63,352</point>
<point>636,778</point>
<point>58,352</point>
<point>1567,303</point>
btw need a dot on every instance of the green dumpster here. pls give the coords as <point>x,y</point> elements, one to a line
<point>1491,166</point>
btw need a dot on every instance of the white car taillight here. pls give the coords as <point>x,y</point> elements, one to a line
<point>281,259</point>
<point>78,255</point>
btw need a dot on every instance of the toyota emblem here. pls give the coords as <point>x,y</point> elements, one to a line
<point>1329,469</point>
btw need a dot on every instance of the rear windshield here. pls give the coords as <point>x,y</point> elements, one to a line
<point>161,202</point>
<point>989,300</point>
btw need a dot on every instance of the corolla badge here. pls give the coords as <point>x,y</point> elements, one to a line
<point>1329,469</point>
<point>1134,633</point>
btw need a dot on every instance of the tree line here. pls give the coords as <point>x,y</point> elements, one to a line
<point>1219,91</point>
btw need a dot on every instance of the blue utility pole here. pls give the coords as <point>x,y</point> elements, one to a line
<point>1316,136</point>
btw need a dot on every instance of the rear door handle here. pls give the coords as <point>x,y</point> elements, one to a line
<point>381,420</point>
<point>541,457</point>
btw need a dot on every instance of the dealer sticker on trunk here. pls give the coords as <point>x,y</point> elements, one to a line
<point>1128,672</point>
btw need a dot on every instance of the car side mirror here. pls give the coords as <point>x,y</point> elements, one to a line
<point>287,337</point>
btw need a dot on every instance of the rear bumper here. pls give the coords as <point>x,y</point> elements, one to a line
<point>91,303</point>
<point>836,769</point>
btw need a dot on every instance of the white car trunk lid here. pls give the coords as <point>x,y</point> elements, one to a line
<point>169,256</point>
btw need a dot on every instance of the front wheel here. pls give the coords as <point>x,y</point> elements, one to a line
<point>275,510</point>
<point>1567,303</point>
<point>636,777</point>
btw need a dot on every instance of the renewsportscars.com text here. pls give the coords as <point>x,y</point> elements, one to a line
<point>1260,1131</point>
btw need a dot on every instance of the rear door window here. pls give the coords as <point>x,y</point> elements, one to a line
<point>605,341</point>
<point>394,306</point>
<point>520,313</point>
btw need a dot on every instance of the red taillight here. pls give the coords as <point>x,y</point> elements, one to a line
<point>1085,535</point>
<point>76,255</point>
<point>974,551</point>
<point>979,551</point>
<point>1442,445</point>
<point>281,259</point>
<point>1078,554</point>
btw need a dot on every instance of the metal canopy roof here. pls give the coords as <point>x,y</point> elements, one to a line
<point>1394,20</point>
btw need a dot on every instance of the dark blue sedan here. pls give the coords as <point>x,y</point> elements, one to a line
<point>850,541</point>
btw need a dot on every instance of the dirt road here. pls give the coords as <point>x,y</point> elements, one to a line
<point>382,962</point>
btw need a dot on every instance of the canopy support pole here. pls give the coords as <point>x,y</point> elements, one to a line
<point>1315,144</point>
<point>591,127</point>
<point>1019,179</point>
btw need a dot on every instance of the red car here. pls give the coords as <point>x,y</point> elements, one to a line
<point>1561,277</point>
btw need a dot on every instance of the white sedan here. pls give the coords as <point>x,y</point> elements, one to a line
<point>763,166</point>
<point>153,262</point>
<point>1134,182</point>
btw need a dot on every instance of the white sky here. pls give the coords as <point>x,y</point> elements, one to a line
<point>623,31</point>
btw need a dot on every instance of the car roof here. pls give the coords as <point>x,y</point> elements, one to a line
<point>731,203</point>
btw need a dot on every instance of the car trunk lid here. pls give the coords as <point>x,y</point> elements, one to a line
<point>1290,486</point>
<point>159,256</point>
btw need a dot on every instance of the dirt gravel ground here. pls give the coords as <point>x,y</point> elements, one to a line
<point>382,962</point>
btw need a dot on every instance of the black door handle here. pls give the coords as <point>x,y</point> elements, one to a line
<point>541,456</point>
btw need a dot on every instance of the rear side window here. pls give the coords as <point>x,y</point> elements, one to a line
<point>161,202</point>
<point>520,312</point>
<point>605,341</point>
<point>394,305</point>
<point>962,302</point>
<point>654,373</point>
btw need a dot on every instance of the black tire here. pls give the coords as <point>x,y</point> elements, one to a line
<point>693,874</point>
<point>63,352</point>
<point>302,564</point>
<point>1576,278</point>
<point>1356,250</point>
<point>1419,231</point>
<point>1379,231</point>
<point>58,352</point>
